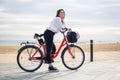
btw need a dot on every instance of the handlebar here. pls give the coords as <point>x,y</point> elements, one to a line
<point>65,29</point>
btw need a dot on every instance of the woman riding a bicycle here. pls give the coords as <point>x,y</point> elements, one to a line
<point>56,25</point>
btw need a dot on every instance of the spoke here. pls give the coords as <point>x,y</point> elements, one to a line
<point>77,61</point>
<point>29,53</point>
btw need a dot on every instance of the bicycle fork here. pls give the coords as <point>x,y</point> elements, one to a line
<point>70,52</point>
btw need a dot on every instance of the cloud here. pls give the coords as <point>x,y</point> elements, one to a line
<point>25,1</point>
<point>7,18</point>
<point>90,17</point>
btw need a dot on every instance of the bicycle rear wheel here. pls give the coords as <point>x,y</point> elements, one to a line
<point>24,60</point>
<point>70,62</point>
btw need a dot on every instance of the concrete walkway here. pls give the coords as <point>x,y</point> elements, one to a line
<point>97,70</point>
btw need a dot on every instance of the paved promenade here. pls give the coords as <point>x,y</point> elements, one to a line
<point>106,66</point>
<point>97,70</point>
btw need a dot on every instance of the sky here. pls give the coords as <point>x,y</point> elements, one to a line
<point>93,19</point>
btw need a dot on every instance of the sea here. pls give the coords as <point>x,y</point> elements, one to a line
<point>18,42</point>
<point>13,42</point>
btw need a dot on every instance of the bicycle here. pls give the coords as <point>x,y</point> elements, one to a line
<point>30,57</point>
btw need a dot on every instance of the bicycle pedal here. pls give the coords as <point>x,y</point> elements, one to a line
<point>38,57</point>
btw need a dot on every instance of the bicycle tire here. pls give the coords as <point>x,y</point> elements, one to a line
<point>21,51</point>
<point>68,63</point>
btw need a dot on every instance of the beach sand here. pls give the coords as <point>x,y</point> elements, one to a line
<point>101,52</point>
<point>101,47</point>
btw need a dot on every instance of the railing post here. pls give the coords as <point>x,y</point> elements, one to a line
<point>91,50</point>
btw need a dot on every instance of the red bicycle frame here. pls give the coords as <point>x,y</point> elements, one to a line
<point>64,42</point>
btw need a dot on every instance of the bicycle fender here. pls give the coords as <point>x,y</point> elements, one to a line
<point>24,47</point>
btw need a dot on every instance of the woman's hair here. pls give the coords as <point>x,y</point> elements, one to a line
<point>58,12</point>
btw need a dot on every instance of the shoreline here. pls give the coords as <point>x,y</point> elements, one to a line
<point>86,47</point>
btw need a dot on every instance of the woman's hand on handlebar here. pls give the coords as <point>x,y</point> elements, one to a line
<point>69,29</point>
<point>65,29</point>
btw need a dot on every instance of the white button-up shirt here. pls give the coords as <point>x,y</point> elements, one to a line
<point>56,25</point>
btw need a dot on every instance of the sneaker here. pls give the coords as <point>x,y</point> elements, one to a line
<point>53,69</point>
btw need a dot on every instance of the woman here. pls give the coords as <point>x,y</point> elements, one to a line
<point>56,25</point>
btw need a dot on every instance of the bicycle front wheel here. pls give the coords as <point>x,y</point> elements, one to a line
<point>25,60</point>
<point>75,62</point>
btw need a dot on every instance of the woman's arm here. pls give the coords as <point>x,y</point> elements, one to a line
<point>58,24</point>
